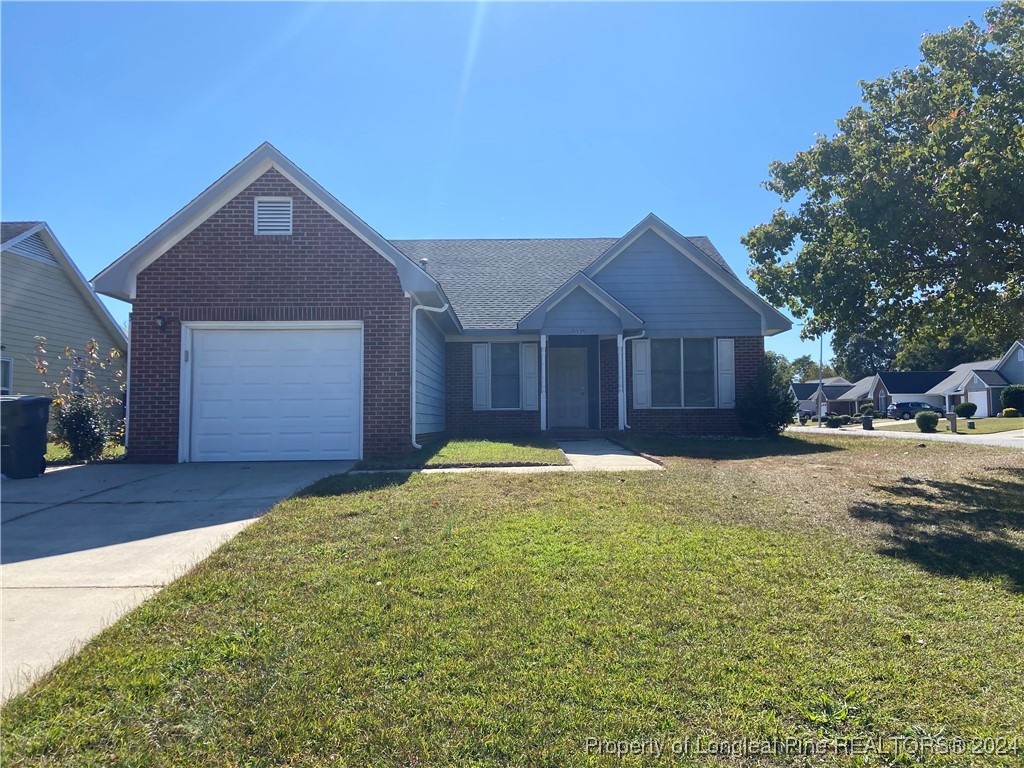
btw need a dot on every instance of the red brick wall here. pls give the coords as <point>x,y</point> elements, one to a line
<point>461,419</point>
<point>697,421</point>
<point>609,384</point>
<point>221,271</point>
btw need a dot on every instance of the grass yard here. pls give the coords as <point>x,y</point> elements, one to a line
<point>982,426</point>
<point>819,587</point>
<point>473,453</point>
<point>59,454</point>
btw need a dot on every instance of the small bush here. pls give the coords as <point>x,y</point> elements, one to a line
<point>833,421</point>
<point>82,427</point>
<point>845,419</point>
<point>767,407</point>
<point>965,410</point>
<point>1010,413</point>
<point>866,409</point>
<point>927,421</point>
<point>1013,397</point>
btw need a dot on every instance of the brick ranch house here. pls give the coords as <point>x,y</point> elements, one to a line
<point>270,323</point>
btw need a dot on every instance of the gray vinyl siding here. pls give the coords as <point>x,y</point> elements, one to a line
<point>580,313</point>
<point>1013,369</point>
<point>429,375</point>
<point>673,295</point>
<point>40,300</point>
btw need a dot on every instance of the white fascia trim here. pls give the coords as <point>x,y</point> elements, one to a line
<point>580,281</point>
<point>481,337</point>
<point>698,257</point>
<point>119,279</point>
<point>65,262</point>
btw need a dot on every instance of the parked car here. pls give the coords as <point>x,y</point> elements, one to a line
<point>910,409</point>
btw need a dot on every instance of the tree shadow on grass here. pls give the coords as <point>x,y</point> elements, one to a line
<point>723,448</point>
<point>338,485</point>
<point>970,529</point>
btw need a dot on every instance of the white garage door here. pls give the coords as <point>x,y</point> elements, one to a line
<point>275,394</point>
<point>981,399</point>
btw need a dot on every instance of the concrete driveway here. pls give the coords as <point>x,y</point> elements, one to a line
<point>81,546</point>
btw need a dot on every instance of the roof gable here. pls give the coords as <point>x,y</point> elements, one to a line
<point>579,283</point>
<point>772,321</point>
<point>17,234</point>
<point>119,278</point>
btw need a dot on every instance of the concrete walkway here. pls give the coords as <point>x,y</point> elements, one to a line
<point>1012,439</point>
<point>602,456</point>
<point>81,546</point>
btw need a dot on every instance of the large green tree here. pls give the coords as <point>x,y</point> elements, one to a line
<point>910,219</point>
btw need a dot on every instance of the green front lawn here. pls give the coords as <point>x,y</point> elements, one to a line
<point>473,453</point>
<point>982,426</point>
<point>817,587</point>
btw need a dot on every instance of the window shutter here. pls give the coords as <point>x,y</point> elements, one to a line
<point>726,373</point>
<point>641,373</point>
<point>481,377</point>
<point>528,376</point>
<point>273,216</point>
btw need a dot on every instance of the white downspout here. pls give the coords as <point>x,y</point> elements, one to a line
<point>543,382</point>
<point>412,403</point>
<point>622,375</point>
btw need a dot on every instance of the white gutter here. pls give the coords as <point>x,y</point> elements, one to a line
<point>622,377</point>
<point>412,377</point>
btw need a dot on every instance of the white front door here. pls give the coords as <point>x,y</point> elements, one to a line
<point>567,390</point>
<point>275,394</point>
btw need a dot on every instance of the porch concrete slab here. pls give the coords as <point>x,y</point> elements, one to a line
<point>84,545</point>
<point>603,456</point>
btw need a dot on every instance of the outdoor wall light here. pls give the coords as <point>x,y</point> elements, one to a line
<point>161,322</point>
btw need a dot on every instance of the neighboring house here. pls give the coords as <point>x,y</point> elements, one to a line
<point>982,382</point>
<point>861,392</point>
<point>42,293</point>
<point>912,386</point>
<point>811,396</point>
<point>270,322</point>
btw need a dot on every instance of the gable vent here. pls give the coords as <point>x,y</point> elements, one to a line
<point>34,248</point>
<point>273,216</point>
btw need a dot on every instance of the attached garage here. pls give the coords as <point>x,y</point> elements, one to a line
<point>980,399</point>
<point>262,391</point>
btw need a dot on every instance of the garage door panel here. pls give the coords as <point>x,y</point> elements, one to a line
<point>269,394</point>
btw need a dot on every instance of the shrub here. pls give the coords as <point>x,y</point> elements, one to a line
<point>927,421</point>
<point>767,407</point>
<point>1013,397</point>
<point>1010,413</point>
<point>833,421</point>
<point>866,409</point>
<point>845,419</point>
<point>966,410</point>
<point>82,427</point>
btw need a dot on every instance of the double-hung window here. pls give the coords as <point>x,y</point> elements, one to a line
<point>683,373</point>
<point>505,376</point>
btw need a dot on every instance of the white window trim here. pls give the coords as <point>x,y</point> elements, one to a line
<point>7,385</point>
<point>526,374</point>
<point>682,377</point>
<point>256,216</point>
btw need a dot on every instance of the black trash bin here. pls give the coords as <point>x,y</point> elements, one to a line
<point>23,435</point>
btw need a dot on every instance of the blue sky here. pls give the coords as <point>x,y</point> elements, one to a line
<point>435,120</point>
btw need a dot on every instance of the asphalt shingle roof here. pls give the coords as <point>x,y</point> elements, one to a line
<point>958,373</point>
<point>911,382</point>
<point>492,284</point>
<point>859,390</point>
<point>992,378</point>
<point>805,391</point>
<point>11,229</point>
